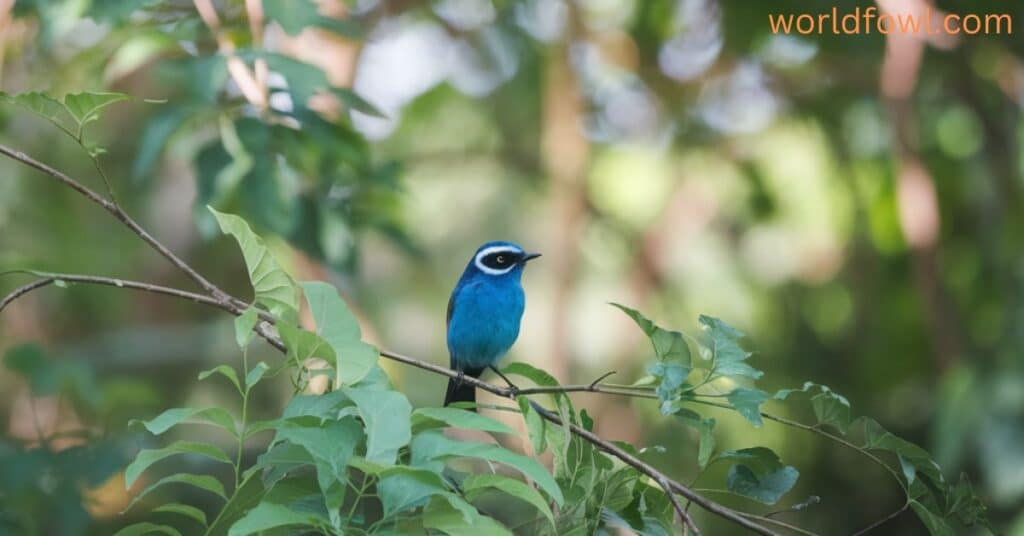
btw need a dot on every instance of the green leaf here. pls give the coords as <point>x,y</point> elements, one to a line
<point>535,425</point>
<point>155,135</point>
<point>339,327</point>
<point>387,417</point>
<point>282,458</point>
<point>829,407</point>
<point>935,524</point>
<point>141,529</point>
<point>303,345</point>
<point>728,356</point>
<point>256,374</point>
<point>225,371</point>
<point>294,16</point>
<point>244,325</point>
<point>760,474</point>
<point>455,517</point>
<point>246,497</point>
<point>172,417</point>
<point>747,402</point>
<point>148,457</point>
<point>274,288</point>
<point>705,428</point>
<point>673,354</point>
<point>474,485</point>
<point>185,510</point>
<point>268,516</point>
<point>426,418</point>
<point>433,445</point>
<point>331,445</point>
<point>40,104</point>
<point>403,488</point>
<point>966,505</point>
<point>85,107</point>
<point>325,406</point>
<point>203,482</point>
<point>354,101</point>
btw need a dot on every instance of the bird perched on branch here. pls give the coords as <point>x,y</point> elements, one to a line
<point>483,314</point>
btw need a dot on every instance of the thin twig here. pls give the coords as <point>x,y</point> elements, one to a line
<point>882,521</point>
<point>50,278</point>
<point>124,218</point>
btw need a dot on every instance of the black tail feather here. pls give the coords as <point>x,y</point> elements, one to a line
<point>460,391</point>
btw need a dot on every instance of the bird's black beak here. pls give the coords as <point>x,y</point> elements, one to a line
<point>528,257</point>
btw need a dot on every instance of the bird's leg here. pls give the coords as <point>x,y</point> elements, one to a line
<point>511,386</point>
<point>460,378</point>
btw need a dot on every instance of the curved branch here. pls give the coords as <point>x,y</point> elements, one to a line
<point>120,214</point>
<point>48,278</point>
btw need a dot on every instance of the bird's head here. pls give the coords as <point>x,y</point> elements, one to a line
<point>498,259</point>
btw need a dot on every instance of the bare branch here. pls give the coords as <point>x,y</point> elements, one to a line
<point>120,214</point>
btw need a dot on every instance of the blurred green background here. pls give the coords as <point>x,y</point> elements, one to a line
<point>852,202</point>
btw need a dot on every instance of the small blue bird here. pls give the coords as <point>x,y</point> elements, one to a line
<point>483,314</point>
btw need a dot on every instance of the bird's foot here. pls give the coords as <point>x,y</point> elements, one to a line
<point>512,388</point>
<point>460,378</point>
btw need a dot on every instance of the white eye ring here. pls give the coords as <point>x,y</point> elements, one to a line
<point>479,259</point>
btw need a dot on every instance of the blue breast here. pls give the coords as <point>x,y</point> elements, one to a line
<point>485,320</point>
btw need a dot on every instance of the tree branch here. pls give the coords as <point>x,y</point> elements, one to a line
<point>120,214</point>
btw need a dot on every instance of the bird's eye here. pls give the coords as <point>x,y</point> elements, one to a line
<point>500,259</point>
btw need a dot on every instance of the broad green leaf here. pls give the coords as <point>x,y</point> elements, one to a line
<point>966,505</point>
<point>935,524</point>
<point>402,488</point>
<point>155,135</point>
<point>674,361</point>
<point>282,458</point>
<point>225,371</point>
<point>294,16</point>
<point>203,482</point>
<point>142,529</point>
<point>534,374</point>
<point>724,342</point>
<point>914,460</point>
<point>303,345</point>
<point>148,457</point>
<point>336,324</point>
<point>829,407</point>
<point>331,445</point>
<point>449,515</point>
<point>244,325</point>
<point>433,445</point>
<point>387,417</point>
<point>669,346</point>
<point>535,425</point>
<point>246,497</point>
<point>185,510</point>
<point>354,101</point>
<point>38,103</point>
<point>274,288</point>
<point>325,406</point>
<point>268,516</point>
<point>256,374</point>
<point>425,418</point>
<point>172,417</point>
<point>474,485</point>
<point>759,474</point>
<point>85,107</point>
<point>747,402</point>
<point>705,428</point>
